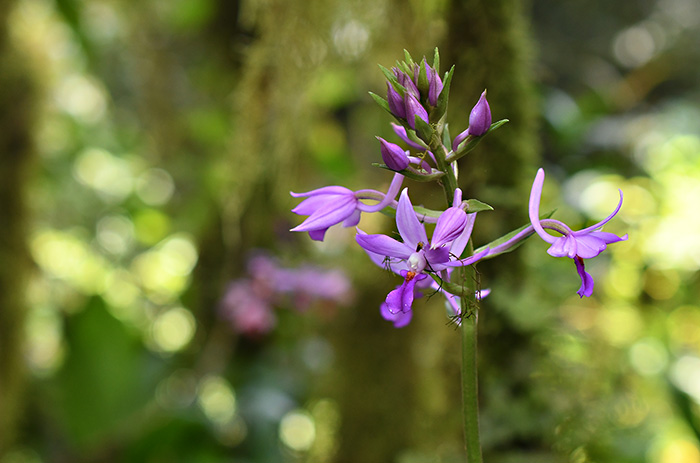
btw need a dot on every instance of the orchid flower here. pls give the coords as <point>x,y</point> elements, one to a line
<point>332,205</point>
<point>578,245</point>
<point>416,254</point>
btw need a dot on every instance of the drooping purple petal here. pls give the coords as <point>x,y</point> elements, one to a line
<point>399,319</point>
<point>383,245</point>
<point>335,211</point>
<point>411,230</point>
<point>401,298</point>
<point>586,288</point>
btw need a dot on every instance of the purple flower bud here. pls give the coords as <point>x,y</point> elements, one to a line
<point>480,117</point>
<point>406,82</point>
<point>434,84</point>
<point>396,104</point>
<point>393,156</point>
<point>413,109</point>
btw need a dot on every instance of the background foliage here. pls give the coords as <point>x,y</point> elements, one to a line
<point>147,154</point>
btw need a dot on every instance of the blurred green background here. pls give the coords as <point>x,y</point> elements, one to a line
<point>148,149</point>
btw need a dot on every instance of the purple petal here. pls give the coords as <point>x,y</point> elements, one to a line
<point>400,319</point>
<point>605,220</point>
<point>353,219</point>
<point>437,258</point>
<point>317,235</point>
<point>461,241</point>
<point>396,103</point>
<point>459,139</point>
<point>330,214</point>
<point>383,245</point>
<point>413,109</point>
<point>534,207</point>
<point>410,228</point>
<point>564,246</point>
<point>326,190</point>
<point>401,298</point>
<point>450,225</point>
<point>586,288</point>
<point>400,131</point>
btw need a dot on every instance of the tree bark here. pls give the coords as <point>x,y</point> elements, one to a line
<point>16,100</point>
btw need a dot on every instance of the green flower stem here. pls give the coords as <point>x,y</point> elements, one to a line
<point>449,180</point>
<point>470,389</point>
<point>470,316</point>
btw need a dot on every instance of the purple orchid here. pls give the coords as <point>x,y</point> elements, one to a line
<point>416,254</point>
<point>332,205</point>
<point>578,245</point>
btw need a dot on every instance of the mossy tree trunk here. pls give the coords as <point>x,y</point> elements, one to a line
<point>16,100</point>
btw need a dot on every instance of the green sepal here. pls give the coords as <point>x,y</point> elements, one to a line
<point>423,85</point>
<point>389,75</point>
<point>510,235</point>
<point>424,130</point>
<point>381,102</point>
<point>413,175</point>
<point>408,58</point>
<point>441,107</point>
<point>474,205</point>
<point>436,60</point>
<point>471,141</point>
<point>446,135</point>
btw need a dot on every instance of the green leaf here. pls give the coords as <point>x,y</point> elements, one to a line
<point>474,205</point>
<point>441,107</point>
<point>408,58</point>
<point>388,74</point>
<point>424,130</point>
<point>446,135</point>
<point>436,60</point>
<point>381,102</point>
<point>423,84</point>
